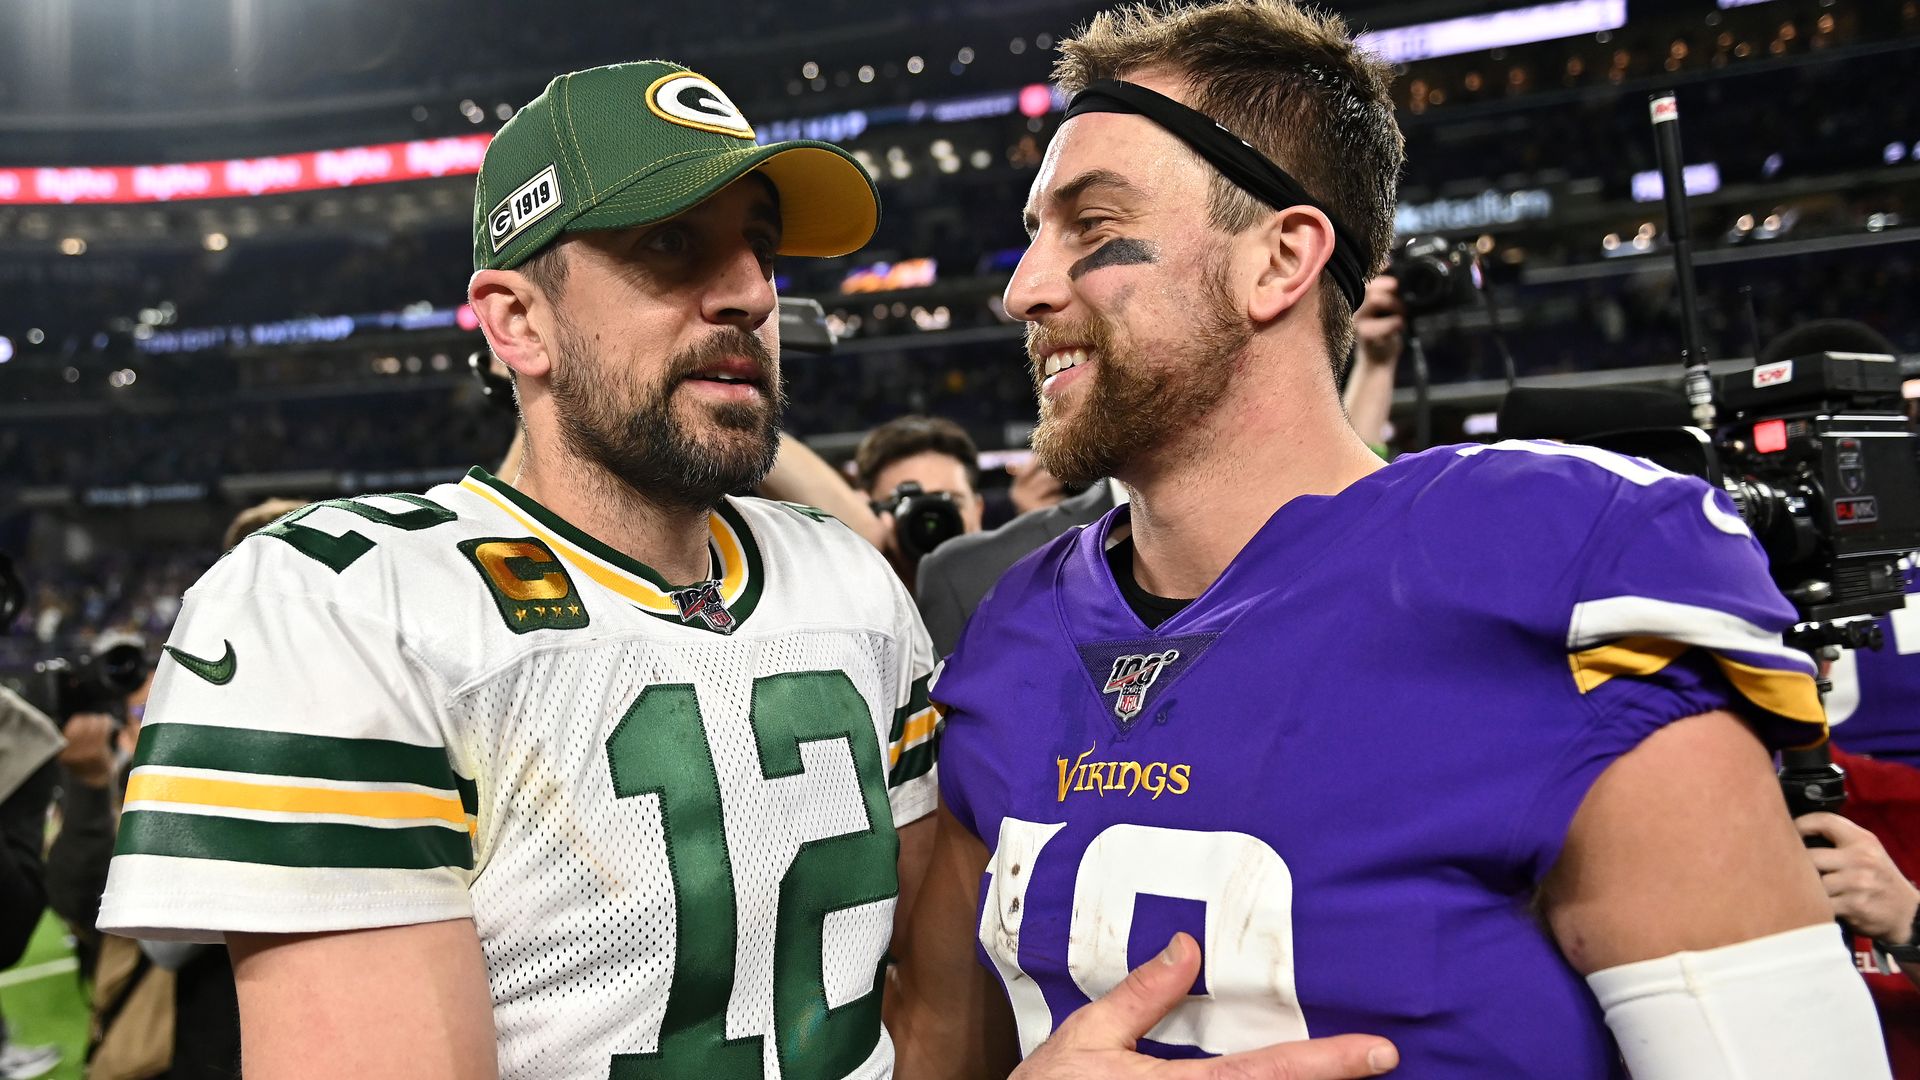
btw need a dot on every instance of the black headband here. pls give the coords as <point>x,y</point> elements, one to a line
<point>1249,169</point>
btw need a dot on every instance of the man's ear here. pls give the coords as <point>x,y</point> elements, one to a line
<point>516,317</point>
<point>1289,249</point>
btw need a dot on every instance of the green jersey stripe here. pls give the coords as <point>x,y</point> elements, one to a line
<point>917,701</point>
<point>469,794</point>
<point>274,843</point>
<point>274,753</point>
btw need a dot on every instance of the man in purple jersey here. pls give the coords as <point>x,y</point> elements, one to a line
<point>1469,751</point>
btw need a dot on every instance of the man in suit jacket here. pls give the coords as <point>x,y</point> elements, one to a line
<point>955,576</point>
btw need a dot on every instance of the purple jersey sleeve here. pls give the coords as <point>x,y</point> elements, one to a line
<point>1674,614</point>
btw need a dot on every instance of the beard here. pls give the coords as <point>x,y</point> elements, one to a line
<point>1134,403</point>
<point>609,416</point>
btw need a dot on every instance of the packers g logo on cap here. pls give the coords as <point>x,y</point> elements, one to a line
<point>693,101</point>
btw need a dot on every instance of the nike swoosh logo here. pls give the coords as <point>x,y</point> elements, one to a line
<point>218,672</point>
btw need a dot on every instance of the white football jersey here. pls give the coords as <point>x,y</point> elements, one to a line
<point>670,812</point>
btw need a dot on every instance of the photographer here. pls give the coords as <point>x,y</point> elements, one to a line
<point>1867,871</point>
<point>28,744</point>
<point>1380,327</point>
<point>941,463</point>
<point>159,1008</point>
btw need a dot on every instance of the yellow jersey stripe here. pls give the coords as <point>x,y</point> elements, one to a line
<point>1791,694</point>
<point>235,795</point>
<point>1628,656</point>
<point>919,726</point>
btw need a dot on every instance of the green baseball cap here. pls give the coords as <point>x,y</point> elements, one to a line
<point>631,144</point>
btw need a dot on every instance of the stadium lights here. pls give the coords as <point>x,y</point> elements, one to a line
<point>6,348</point>
<point>866,73</point>
<point>1473,33</point>
<point>809,70</point>
<point>915,65</point>
<point>36,335</point>
<point>73,245</point>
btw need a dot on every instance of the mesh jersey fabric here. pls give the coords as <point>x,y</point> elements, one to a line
<point>675,833</point>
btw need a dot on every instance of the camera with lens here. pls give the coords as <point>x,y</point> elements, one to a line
<point>1435,274</point>
<point>922,520</point>
<point>99,683</point>
<point>1818,455</point>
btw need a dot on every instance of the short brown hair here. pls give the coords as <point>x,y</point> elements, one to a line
<point>1291,82</point>
<point>256,517</point>
<point>906,436</point>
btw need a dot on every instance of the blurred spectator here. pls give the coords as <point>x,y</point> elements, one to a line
<point>28,745</point>
<point>930,451</point>
<point>933,455</point>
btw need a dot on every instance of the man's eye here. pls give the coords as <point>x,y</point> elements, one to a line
<point>669,242</point>
<point>1085,225</point>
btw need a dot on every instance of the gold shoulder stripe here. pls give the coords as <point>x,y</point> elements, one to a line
<point>1628,656</point>
<point>1783,692</point>
<point>1791,694</point>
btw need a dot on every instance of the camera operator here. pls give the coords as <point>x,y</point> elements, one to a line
<point>159,1008</point>
<point>28,745</point>
<point>1867,872</point>
<point>923,475</point>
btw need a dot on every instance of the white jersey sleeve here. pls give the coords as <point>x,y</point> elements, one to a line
<point>913,744</point>
<point>293,775</point>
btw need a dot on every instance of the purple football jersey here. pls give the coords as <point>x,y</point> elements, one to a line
<point>1875,704</point>
<point>1346,767</point>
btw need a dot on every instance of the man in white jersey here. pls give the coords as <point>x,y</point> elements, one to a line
<point>594,770</point>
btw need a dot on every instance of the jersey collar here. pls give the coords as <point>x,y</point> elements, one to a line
<point>737,566</point>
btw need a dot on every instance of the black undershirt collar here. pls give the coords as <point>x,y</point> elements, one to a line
<point>1152,610</point>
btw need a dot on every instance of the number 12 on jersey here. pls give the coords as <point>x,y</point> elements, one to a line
<point>660,747</point>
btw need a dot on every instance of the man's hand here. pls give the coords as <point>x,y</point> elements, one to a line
<point>1098,1040</point>
<point>88,757</point>
<point>1867,890</point>
<point>1381,322</point>
<point>1033,486</point>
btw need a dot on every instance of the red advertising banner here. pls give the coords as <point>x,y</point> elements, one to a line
<point>353,166</point>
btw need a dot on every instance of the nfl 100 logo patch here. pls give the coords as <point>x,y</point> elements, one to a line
<point>704,602</point>
<point>1134,675</point>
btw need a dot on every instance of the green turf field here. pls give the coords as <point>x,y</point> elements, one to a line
<point>42,1000</point>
